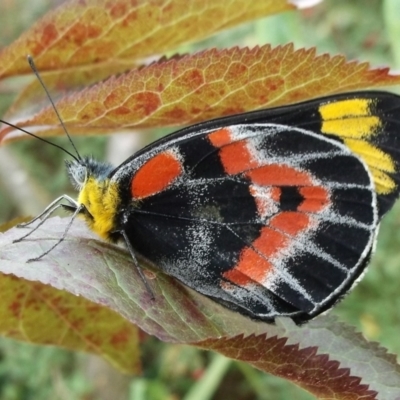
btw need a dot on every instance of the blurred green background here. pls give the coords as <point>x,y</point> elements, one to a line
<point>31,174</point>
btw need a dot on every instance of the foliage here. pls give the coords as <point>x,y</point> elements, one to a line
<point>181,89</point>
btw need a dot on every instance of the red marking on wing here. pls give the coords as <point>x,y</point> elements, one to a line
<point>290,222</point>
<point>253,261</point>
<point>238,277</point>
<point>279,175</point>
<point>236,158</point>
<point>265,199</point>
<point>316,198</point>
<point>155,175</point>
<point>276,193</point>
<point>221,137</point>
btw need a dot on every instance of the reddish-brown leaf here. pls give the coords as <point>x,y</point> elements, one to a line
<point>317,373</point>
<point>206,85</point>
<point>39,313</point>
<point>95,31</point>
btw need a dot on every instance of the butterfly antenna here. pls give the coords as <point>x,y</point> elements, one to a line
<point>40,138</point>
<point>36,72</point>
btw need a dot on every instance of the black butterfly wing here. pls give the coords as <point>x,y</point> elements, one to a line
<point>268,219</point>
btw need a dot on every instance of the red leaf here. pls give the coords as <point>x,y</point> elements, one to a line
<point>206,85</point>
<point>88,32</point>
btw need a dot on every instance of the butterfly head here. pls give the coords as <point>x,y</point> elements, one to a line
<point>80,171</point>
<point>97,194</point>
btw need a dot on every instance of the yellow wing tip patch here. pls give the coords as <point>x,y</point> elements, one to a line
<point>352,127</point>
<point>350,118</point>
<point>355,121</point>
<point>384,184</point>
<point>346,108</point>
<point>372,155</point>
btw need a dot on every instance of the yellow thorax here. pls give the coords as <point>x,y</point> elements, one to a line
<point>101,199</point>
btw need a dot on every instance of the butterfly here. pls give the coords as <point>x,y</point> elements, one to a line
<point>269,213</point>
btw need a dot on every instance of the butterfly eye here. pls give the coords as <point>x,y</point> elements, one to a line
<point>77,173</point>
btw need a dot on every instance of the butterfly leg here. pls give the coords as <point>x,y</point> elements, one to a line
<point>45,214</point>
<point>78,210</point>
<point>136,264</point>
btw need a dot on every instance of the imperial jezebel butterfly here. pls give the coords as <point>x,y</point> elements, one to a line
<point>270,213</point>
